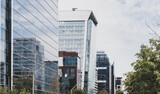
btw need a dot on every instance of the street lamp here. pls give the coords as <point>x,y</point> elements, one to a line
<point>79,70</point>
<point>74,87</point>
<point>80,81</point>
<point>36,73</point>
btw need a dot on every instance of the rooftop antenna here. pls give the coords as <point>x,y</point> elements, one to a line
<point>113,60</point>
<point>74,9</point>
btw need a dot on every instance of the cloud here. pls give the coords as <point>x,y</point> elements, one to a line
<point>121,28</point>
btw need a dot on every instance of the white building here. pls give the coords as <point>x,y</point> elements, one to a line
<point>76,33</point>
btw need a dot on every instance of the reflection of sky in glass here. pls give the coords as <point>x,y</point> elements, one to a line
<point>71,38</point>
<point>35,20</point>
<point>91,56</point>
<point>5,43</point>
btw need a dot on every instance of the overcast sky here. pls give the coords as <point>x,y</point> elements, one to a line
<point>121,26</point>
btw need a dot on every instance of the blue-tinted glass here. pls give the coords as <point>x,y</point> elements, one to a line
<point>70,61</point>
<point>35,34</point>
<point>5,43</point>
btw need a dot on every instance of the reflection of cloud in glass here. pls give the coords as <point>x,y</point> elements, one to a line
<point>32,19</point>
<point>36,20</point>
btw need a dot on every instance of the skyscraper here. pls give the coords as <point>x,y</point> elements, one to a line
<point>26,60</point>
<point>5,43</point>
<point>112,79</point>
<point>36,19</point>
<point>76,33</point>
<point>31,59</point>
<point>21,19</point>
<point>103,67</point>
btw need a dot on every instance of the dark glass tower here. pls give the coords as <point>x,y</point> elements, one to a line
<point>103,67</point>
<point>5,44</point>
<point>113,80</point>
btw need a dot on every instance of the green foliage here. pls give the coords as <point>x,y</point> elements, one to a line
<point>24,81</point>
<point>119,92</point>
<point>146,76</point>
<point>4,90</point>
<point>103,91</point>
<point>55,85</point>
<point>77,91</point>
<point>24,91</point>
<point>14,91</point>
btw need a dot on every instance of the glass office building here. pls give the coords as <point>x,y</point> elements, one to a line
<point>50,72</point>
<point>5,43</point>
<point>27,58</point>
<point>76,33</point>
<point>35,21</point>
<point>69,74</point>
<point>112,79</point>
<point>103,67</point>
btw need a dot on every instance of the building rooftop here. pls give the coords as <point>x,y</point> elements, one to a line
<point>68,54</point>
<point>101,52</point>
<point>77,15</point>
<point>24,39</point>
<point>118,78</point>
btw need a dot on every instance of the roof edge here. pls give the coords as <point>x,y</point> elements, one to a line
<point>92,17</point>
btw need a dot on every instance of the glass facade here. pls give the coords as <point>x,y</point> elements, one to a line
<point>70,61</point>
<point>90,57</point>
<point>71,36</point>
<point>35,34</point>
<point>50,70</point>
<point>118,83</point>
<point>28,57</point>
<point>113,79</point>
<point>103,67</point>
<point>78,35</point>
<point>69,71</point>
<point>5,43</point>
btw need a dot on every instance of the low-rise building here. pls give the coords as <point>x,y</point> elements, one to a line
<point>118,81</point>
<point>69,71</point>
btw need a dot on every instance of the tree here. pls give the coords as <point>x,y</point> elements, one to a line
<point>119,92</point>
<point>103,91</point>
<point>55,85</point>
<point>13,91</point>
<point>24,91</point>
<point>4,90</point>
<point>77,91</point>
<point>145,79</point>
<point>23,81</point>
